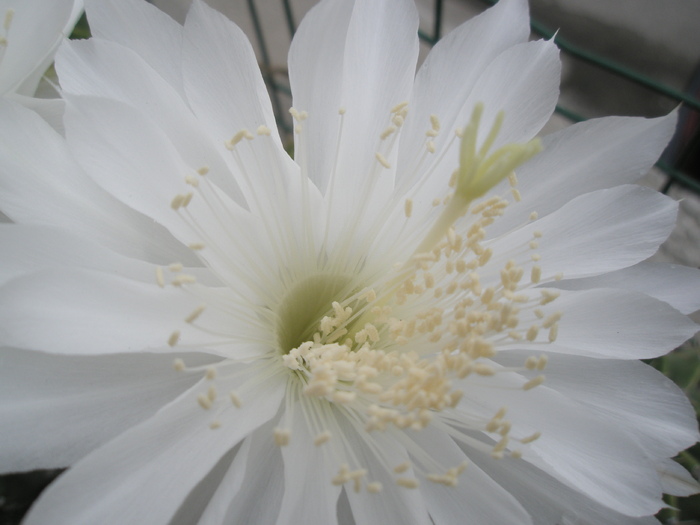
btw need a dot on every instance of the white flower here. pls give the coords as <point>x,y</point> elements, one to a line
<point>208,331</point>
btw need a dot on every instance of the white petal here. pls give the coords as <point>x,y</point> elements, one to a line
<point>57,409</point>
<point>74,311</point>
<point>252,489</point>
<point>594,233</point>
<point>599,153</point>
<point>654,411</point>
<point>40,183</point>
<point>145,474</point>
<point>309,495</point>
<point>476,494</point>
<point>548,501</point>
<point>31,248</point>
<point>316,77</point>
<point>676,480</point>
<point>36,30</point>
<point>379,453</point>
<point>577,447</point>
<point>105,69</point>
<point>461,56</point>
<point>615,324</point>
<point>143,28</point>
<point>227,95</point>
<point>379,59</point>
<point>679,286</point>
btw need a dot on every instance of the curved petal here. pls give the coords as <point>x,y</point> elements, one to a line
<point>676,285</point>
<point>611,324</point>
<point>657,413</point>
<point>34,33</point>
<point>143,475</point>
<point>105,69</point>
<point>31,248</point>
<point>476,494</point>
<point>143,28</point>
<point>599,153</point>
<point>71,311</point>
<point>576,446</point>
<point>57,409</point>
<point>308,469</point>
<point>41,183</point>
<point>251,490</point>
<point>461,56</point>
<point>595,233</point>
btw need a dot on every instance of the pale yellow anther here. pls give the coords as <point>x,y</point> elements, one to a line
<point>215,424</point>
<point>407,483</point>
<point>408,207</point>
<point>9,15</point>
<point>398,108</point>
<point>532,383</point>
<point>211,393</point>
<point>160,279</point>
<point>179,365</point>
<point>235,399</point>
<point>430,146</point>
<point>341,111</point>
<point>532,332</point>
<point>533,216</point>
<point>192,180</point>
<point>203,170</point>
<point>183,279</point>
<point>174,338</point>
<point>403,467</point>
<point>263,130</point>
<point>322,438</point>
<point>281,436</point>
<point>553,332</point>
<point>195,314</point>
<point>204,401</point>
<point>530,439</point>
<point>388,131</point>
<point>196,246</point>
<point>177,201</point>
<point>175,267</point>
<point>382,160</point>
<point>374,487</point>
<point>210,373</point>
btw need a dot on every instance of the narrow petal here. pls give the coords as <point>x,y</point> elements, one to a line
<point>679,286</point>
<point>595,233</point>
<point>599,153</point>
<point>145,473</point>
<point>576,446</point>
<point>57,409</point>
<point>73,311</point>
<point>142,28</point>
<point>605,323</point>
<point>455,57</point>
<point>31,248</point>
<point>476,495</point>
<point>33,36</point>
<point>41,183</point>
<point>305,461</point>
<point>252,489</point>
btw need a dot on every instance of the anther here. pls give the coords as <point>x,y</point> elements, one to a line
<point>382,160</point>
<point>174,338</point>
<point>322,438</point>
<point>179,365</point>
<point>204,401</point>
<point>159,277</point>
<point>407,483</point>
<point>235,399</point>
<point>211,372</point>
<point>532,383</point>
<point>196,246</point>
<point>399,107</point>
<point>203,170</point>
<point>281,436</point>
<point>408,207</point>
<point>263,130</point>
<point>195,314</point>
<point>215,424</point>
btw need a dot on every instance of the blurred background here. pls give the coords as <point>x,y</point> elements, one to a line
<point>620,57</point>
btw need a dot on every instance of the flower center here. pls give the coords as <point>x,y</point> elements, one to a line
<point>305,304</point>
